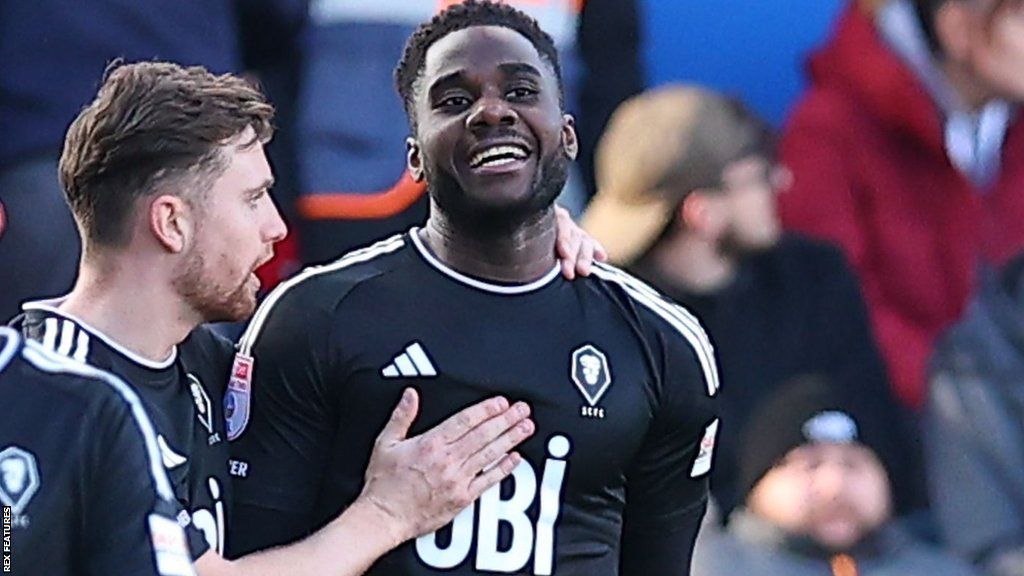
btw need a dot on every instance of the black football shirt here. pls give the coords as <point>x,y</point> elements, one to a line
<point>621,382</point>
<point>184,397</point>
<point>81,483</point>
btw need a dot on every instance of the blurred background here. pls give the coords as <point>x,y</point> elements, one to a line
<point>834,187</point>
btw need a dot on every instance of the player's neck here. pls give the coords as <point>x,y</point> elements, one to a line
<point>689,264</point>
<point>131,305</point>
<point>522,254</point>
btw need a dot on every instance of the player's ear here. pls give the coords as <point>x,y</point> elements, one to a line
<point>170,222</point>
<point>414,159</point>
<point>570,142</point>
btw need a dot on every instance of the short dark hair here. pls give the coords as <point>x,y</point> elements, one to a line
<point>928,9</point>
<point>467,14</point>
<point>152,123</point>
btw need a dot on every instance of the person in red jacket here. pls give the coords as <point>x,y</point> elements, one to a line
<point>908,151</point>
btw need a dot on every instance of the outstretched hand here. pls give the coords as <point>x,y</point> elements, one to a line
<point>421,483</point>
<point>576,250</point>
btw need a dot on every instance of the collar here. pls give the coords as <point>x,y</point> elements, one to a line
<point>51,307</point>
<point>503,289</point>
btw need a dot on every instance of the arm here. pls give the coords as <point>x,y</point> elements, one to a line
<point>667,484</point>
<point>656,552</point>
<point>413,487</point>
<point>293,416</point>
<point>973,501</point>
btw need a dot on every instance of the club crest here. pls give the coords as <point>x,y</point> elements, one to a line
<point>590,372</point>
<point>19,478</point>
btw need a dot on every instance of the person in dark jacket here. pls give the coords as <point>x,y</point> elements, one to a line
<point>686,201</point>
<point>974,427</point>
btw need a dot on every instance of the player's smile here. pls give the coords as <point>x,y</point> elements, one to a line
<point>499,156</point>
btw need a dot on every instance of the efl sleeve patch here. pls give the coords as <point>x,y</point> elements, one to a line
<point>169,547</point>
<point>702,464</point>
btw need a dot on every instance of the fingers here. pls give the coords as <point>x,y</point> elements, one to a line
<point>568,243</point>
<point>577,250</point>
<point>568,252</point>
<point>600,254</point>
<point>494,475</point>
<point>457,426</point>
<point>401,419</point>
<point>586,258</point>
<point>476,439</point>
<point>486,433</point>
<point>491,453</point>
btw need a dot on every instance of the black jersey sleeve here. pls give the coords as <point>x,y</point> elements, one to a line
<point>667,484</point>
<point>285,445</point>
<point>129,515</point>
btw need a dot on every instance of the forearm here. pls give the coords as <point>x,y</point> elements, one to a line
<point>347,546</point>
<point>969,493</point>
<point>667,552</point>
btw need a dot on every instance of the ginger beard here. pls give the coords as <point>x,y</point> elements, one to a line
<point>235,226</point>
<point>218,289</point>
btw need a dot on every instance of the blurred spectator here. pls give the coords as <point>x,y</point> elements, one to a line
<point>352,130</point>
<point>909,152</point>
<point>52,54</point>
<point>816,496</point>
<point>974,428</point>
<point>687,202</point>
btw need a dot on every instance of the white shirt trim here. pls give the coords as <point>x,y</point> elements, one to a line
<point>248,338</point>
<point>8,345</point>
<point>480,284</point>
<point>49,361</point>
<point>51,306</point>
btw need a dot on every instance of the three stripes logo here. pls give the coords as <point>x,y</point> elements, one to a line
<point>64,338</point>
<point>412,362</point>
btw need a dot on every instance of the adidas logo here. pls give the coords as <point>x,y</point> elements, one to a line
<point>411,363</point>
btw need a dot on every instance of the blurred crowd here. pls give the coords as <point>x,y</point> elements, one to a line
<point>835,188</point>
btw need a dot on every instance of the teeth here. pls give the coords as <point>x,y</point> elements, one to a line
<point>499,156</point>
<point>498,161</point>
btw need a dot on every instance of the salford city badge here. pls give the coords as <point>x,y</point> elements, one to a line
<point>590,372</point>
